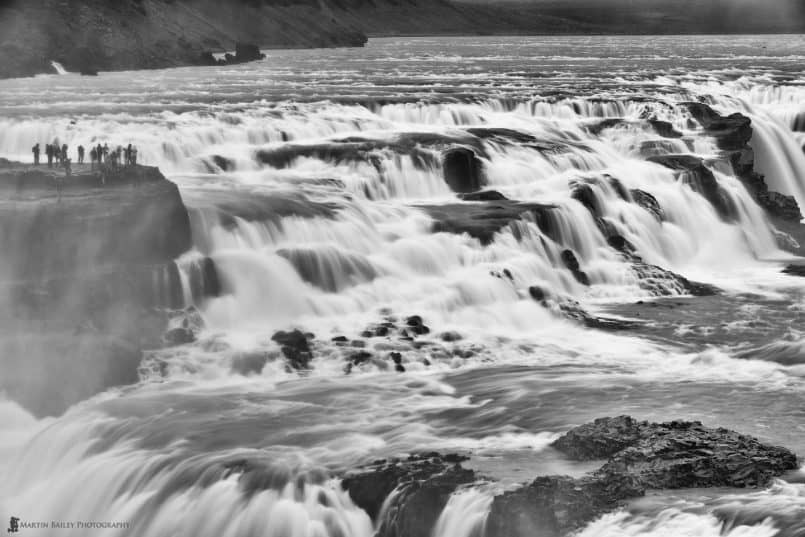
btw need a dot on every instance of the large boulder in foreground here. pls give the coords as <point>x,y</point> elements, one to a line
<point>639,456</point>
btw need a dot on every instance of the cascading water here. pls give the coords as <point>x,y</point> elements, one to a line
<point>318,201</point>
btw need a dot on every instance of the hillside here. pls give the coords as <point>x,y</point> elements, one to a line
<point>89,35</point>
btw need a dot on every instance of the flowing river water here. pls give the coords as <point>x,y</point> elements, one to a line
<point>333,245</point>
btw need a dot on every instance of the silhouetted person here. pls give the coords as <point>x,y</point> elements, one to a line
<point>35,150</point>
<point>63,153</point>
<point>93,157</point>
<point>49,153</point>
<point>106,153</point>
<point>134,156</point>
<point>57,154</point>
<point>81,154</point>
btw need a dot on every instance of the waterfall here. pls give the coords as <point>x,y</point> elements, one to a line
<point>59,68</point>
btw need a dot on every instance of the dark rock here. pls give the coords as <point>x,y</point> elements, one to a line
<point>677,454</point>
<point>731,132</point>
<point>573,310</point>
<point>295,347</point>
<point>699,177</point>
<point>583,193</point>
<point>537,293</point>
<point>423,485</point>
<point>204,280</point>
<point>600,439</point>
<point>664,128</point>
<point>640,456</point>
<point>399,368</point>
<point>179,336</point>
<point>360,357</point>
<point>551,506</point>
<point>463,170</point>
<point>648,202</point>
<point>248,52</point>
<point>396,357</point>
<point>450,337</point>
<point>572,264</point>
<point>485,195</point>
<point>340,340</point>
<point>794,270</point>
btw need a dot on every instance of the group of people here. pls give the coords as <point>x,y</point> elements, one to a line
<point>100,155</point>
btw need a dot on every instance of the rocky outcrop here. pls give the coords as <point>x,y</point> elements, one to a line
<point>84,277</point>
<point>733,134</point>
<point>463,170</point>
<point>483,220</point>
<point>698,176</point>
<point>648,202</point>
<point>404,497</point>
<point>639,456</point>
<point>244,52</point>
<point>295,347</point>
<point>422,484</point>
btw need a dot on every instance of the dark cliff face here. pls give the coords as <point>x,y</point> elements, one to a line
<point>96,35</point>
<point>85,282</point>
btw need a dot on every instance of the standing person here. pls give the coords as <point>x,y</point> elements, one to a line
<point>35,150</point>
<point>49,153</point>
<point>106,153</point>
<point>93,156</point>
<point>63,153</point>
<point>81,154</point>
<point>57,154</point>
<point>134,156</point>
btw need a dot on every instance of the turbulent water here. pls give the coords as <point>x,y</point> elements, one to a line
<point>331,246</point>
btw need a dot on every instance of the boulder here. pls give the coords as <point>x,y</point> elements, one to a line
<point>463,170</point>
<point>677,454</point>
<point>572,264</point>
<point>639,456</point>
<point>423,484</point>
<point>295,347</point>
<point>648,202</point>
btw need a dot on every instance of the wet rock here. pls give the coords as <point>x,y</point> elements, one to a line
<point>639,456</point>
<point>662,282</point>
<point>731,132</point>
<point>360,357</point>
<point>396,357</point>
<point>485,195</point>
<point>572,264</point>
<point>340,340</point>
<point>698,176</point>
<point>179,336</point>
<point>677,454</point>
<point>583,193</point>
<point>551,506</point>
<point>573,310</point>
<point>664,128</point>
<point>399,368</point>
<point>295,347</point>
<point>648,202</point>
<point>463,170</point>
<point>204,280</point>
<point>537,293</point>
<point>794,270</point>
<point>450,336</point>
<point>416,326</point>
<point>423,484</point>
<point>484,219</point>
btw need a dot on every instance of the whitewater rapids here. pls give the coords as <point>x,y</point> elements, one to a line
<point>331,246</point>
